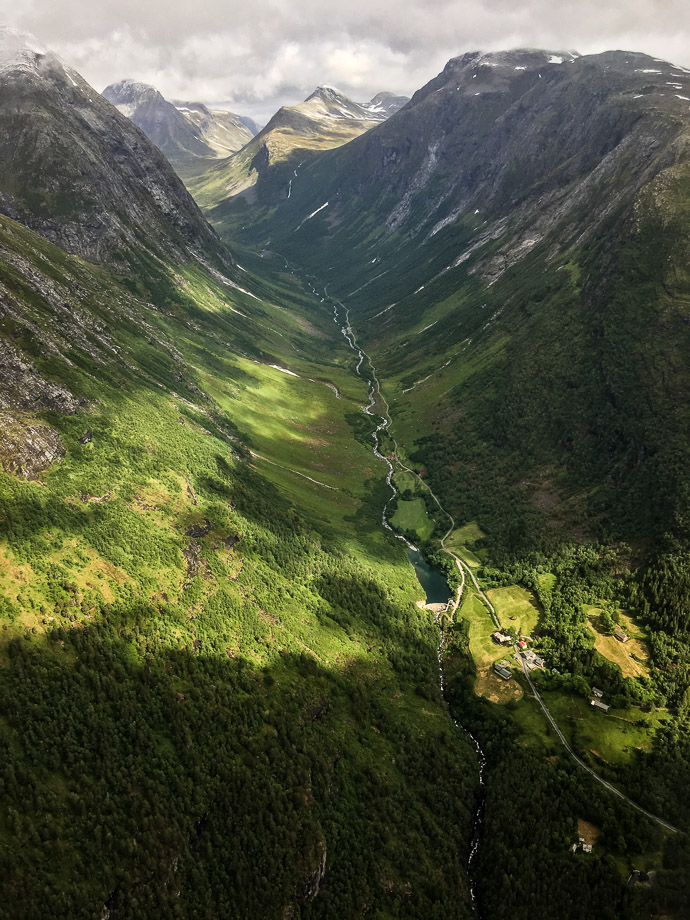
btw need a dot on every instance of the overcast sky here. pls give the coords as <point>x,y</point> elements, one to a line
<point>255,55</point>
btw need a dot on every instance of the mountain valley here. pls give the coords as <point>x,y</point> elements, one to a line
<point>224,693</point>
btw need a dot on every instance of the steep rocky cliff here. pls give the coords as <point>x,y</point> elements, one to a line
<point>80,173</point>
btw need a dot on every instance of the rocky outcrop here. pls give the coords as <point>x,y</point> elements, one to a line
<point>23,388</point>
<point>27,448</point>
<point>313,883</point>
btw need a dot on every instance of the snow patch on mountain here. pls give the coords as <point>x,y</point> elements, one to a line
<point>19,50</point>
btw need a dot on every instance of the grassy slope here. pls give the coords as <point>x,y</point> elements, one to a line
<point>205,652</point>
<point>558,407</point>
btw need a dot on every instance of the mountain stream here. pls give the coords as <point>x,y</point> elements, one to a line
<point>433,583</point>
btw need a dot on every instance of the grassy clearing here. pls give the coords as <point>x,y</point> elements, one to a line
<point>516,607</point>
<point>412,516</point>
<point>588,831</point>
<point>482,647</point>
<point>486,653</point>
<point>489,685</point>
<point>536,731</point>
<point>404,480</point>
<point>632,657</point>
<point>462,541</point>
<point>469,533</point>
<point>604,738</point>
<point>547,580</point>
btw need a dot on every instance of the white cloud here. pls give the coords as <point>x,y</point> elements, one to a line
<point>257,55</point>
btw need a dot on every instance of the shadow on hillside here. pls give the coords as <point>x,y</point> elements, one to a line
<point>161,781</point>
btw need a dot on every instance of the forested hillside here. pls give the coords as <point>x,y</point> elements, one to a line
<point>512,250</point>
<point>211,655</point>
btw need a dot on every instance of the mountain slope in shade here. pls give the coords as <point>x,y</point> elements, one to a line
<point>326,119</point>
<point>74,169</point>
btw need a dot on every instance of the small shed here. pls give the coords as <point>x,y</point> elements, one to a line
<point>604,707</point>
<point>621,636</point>
<point>597,693</point>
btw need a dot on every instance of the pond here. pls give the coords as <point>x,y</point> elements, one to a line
<point>434,584</point>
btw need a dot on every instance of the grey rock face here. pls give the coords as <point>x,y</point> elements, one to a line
<point>159,119</point>
<point>22,388</point>
<point>80,173</point>
<point>313,883</point>
<point>190,134</point>
<point>27,448</point>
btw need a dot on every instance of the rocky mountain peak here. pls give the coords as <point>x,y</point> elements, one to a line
<point>326,91</point>
<point>386,103</point>
<point>21,53</point>
<point>131,91</point>
<point>20,50</point>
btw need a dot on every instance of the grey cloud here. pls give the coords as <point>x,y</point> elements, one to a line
<point>257,55</point>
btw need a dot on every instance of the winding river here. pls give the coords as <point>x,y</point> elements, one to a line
<point>436,589</point>
<point>434,585</point>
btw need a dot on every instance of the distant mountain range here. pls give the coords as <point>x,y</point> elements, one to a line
<point>194,137</point>
<point>326,119</point>
<point>189,134</point>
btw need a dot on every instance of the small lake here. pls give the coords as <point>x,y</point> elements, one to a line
<point>434,584</point>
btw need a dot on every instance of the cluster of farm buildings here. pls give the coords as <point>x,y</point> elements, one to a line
<point>529,660</point>
<point>526,657</point>
<point>586,847</point>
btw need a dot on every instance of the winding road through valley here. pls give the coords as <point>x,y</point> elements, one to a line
<point>375,395</point>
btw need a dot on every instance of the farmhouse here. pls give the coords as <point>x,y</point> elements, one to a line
<point>531,659</point>
<point>599,705</point>
<point>502,672</point>
<point>621,636</point>
<point>597,693</point>
<point>501,638</point>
